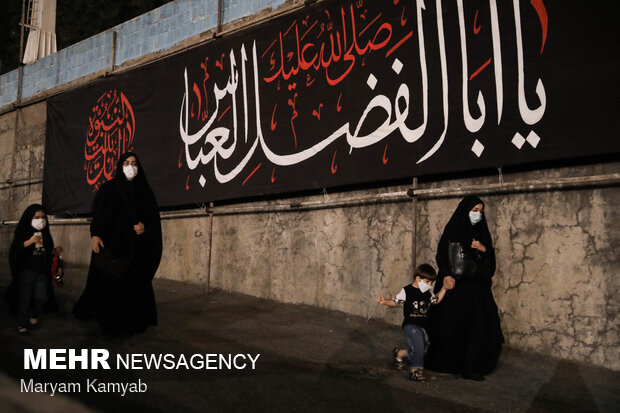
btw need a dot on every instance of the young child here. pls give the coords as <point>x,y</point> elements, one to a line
<point>30,259</point>
<point>416,299</point>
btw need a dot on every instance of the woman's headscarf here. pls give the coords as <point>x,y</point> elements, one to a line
<point>460,229</point>
<point>136,191</point>
<point>120,176</point>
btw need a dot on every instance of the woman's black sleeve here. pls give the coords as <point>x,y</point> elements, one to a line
<point>490,257</point>
<point>102,207</point>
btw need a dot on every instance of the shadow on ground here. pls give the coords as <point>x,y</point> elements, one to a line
<point>310,360</point>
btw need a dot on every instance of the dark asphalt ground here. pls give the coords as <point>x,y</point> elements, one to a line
<point>311,360</point>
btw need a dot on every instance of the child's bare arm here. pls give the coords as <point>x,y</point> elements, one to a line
<point>388,302</point>
<point>441,294</point>
<point>446,286</point>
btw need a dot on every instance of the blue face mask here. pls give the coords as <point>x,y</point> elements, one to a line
<point>475,217</point>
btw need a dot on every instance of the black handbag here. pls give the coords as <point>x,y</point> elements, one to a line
<point>466,263</point>
<point>109,263</point>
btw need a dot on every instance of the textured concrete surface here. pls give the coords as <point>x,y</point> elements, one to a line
<point>555,284</point>
<point>311,360</point>
<point>25,139</point>
<point>340,259</point>
<point>7,140</point>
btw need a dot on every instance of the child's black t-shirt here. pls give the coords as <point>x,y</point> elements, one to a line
<point>415,305</point>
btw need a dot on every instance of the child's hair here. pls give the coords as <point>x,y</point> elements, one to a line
<point>425,271</point>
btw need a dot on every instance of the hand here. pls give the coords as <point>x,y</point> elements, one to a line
<point>97,243</point>
<point>381,300</point>
<point>33,240</point>
<point>139,228</point>
<point>478,245</point>
<point>449,282</point>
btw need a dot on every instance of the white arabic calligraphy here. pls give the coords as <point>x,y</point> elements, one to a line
<point>221,143</point>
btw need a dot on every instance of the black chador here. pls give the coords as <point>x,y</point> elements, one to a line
<point>124,303</point>
<point>19,255</point>
<point>464,331</point>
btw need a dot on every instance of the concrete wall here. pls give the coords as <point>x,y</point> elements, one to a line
<point>557,253</point>
<point>556,284</point>
<point>22,145</point>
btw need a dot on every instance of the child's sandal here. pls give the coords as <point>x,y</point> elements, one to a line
<point>395,354</point>
<point>416,375</point>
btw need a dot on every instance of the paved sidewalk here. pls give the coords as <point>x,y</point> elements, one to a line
<point>311,360</point>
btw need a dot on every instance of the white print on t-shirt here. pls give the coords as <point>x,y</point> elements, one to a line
<point>420,308</point>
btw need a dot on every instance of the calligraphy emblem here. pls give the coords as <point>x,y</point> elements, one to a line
<point>111,128</point>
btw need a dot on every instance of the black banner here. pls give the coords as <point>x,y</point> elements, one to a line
<point>345,92</point>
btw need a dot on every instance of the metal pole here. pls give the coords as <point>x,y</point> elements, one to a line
<point>208,281</point>
<point>184,214</point>
<point>113,52</point>
<point>21,53</point>
<point>20,182</point>
<point>519,187</point>
<point>219,17</point>
<point>414,228</point>
<point>320,204</point>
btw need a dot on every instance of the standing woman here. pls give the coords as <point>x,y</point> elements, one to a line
<point>125,223</point>
<point>465,332</point>
<point>30,259</point>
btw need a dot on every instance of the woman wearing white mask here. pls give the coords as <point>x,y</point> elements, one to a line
<point>465,331</point>
<point>30,259</point>
<point>127,227</point>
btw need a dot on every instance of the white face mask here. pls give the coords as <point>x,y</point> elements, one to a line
<point>424,287</point>
<point>38,223</point>
<point>130,172</point>
<point>475,217</point>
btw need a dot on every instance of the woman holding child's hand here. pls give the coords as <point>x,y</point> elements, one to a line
<point>465,331</point>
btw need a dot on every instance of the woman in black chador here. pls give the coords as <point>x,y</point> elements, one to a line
<point>125,223</point>
<point>30,259</point>
<point>465,332</point>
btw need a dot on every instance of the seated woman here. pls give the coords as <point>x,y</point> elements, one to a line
<point>126,225</point>
<point>465,331</point>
